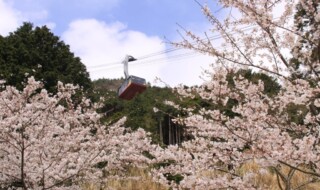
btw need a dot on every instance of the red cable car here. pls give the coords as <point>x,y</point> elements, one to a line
<point>132,85</point>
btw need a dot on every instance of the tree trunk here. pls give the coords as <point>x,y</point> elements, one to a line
<point>160,131</point>
<point>22,163</point>
<point>170,138</point>
<point>177,134</point>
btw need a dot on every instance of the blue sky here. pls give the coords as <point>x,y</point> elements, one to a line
<point>102,32</point>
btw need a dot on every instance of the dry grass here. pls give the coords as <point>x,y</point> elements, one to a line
<point>138,179</point>
<point>262,178</point>
<point>267,179</point>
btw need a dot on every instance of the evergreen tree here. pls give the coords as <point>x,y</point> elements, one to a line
<point>38,52</point>
<point>308,48</point>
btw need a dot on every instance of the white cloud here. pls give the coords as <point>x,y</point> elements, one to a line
<point>98,43</point>
<point>185,67</point>
<point>10,18</point>
<point>102,47</point>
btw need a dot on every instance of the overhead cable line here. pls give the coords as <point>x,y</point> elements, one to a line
<point>170,59</point>
<point>164,52</point>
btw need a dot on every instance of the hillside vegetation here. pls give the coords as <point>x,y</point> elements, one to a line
<point>140,110</point>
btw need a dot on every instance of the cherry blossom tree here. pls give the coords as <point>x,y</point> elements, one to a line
<point>261,128</point>
<point>47,142</point>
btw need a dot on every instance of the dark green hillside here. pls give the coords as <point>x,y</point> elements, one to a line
<point>139,111</point>
<point>102,85</point>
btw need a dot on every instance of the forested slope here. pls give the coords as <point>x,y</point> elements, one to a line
<point>140,110</point>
